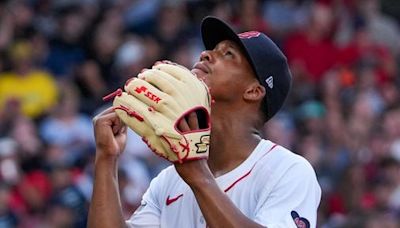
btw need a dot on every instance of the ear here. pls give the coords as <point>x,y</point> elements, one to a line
<point>254,92</point>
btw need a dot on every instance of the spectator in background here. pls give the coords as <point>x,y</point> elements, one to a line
<point>91,85</point>
<point>249,17</point>
<point>105,39</point>
<point>382,28</point>
<point>30,197</point>
<point>66,51</point>
<point>68,129</point>
<point>140,15</point>
<point>33,88</point>
<point>311,51</point>
<point>223,10</point>
<point>310,116</point>
<point>67,197</point>
<point>281,129</point>
<point>10,173</point>
<point>131,191</point>
<point>172,26</point>
<point>391,128</point>
<point>22,18</point>
<point>284,16</point>
<point>378,220</point>
<point>363,51</point>
<point>25,134</point>
<point>390,173</point>
<point>6,28</point>
<point>58,215</point>
<point>129,58</point>
<point>7,216</point>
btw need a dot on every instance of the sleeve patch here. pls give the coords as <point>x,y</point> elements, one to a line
<point>300,221</point>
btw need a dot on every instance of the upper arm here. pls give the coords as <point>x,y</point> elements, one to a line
<point>292,201</point>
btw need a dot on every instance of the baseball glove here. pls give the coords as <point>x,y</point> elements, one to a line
<point>155,102</point>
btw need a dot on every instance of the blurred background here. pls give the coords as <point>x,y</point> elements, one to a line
<point>58,58</point>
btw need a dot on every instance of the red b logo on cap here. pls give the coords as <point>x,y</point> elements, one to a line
<point>249,34</point>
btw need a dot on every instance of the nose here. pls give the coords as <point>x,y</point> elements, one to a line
<point>206,56</point>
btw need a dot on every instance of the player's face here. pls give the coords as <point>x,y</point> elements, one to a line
<point>225,70</point>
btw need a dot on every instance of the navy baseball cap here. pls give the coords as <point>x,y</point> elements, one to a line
<point>267,60</point>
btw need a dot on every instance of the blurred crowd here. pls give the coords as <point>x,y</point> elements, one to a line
<point>58,58</point>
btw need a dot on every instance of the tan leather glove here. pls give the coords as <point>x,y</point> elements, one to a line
<point>154,103</point>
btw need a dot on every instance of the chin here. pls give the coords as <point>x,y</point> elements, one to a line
<point>201,75</point>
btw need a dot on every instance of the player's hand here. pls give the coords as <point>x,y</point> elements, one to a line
<point>189,123</point>
<point>110,134</point>
<point>192,171</point>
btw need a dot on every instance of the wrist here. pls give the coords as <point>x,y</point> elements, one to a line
<point>106,166</point>
<point>105,159</point>
<point>195,173</point>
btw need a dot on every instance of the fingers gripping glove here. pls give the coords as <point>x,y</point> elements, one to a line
<point>156,101</point>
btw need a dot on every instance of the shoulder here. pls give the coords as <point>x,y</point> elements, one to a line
<point>291,190</point>
<point>282,165</point>
<point>283,159</point>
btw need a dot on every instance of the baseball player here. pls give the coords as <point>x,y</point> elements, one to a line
<point>224,174</point>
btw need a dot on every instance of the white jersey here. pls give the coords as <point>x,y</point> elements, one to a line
<point>273,186</point>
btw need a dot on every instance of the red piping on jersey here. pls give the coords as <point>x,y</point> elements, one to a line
<point>248,173</point>
<point>241,178</point>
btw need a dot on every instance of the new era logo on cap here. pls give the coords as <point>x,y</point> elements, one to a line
<point>270,82</point>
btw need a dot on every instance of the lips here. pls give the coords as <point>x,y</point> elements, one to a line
<point>202,67</point>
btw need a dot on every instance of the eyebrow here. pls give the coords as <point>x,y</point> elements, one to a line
<point>230,44</point>
<point>233,45</point>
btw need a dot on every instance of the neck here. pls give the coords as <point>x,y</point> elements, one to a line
<point>232,141</point>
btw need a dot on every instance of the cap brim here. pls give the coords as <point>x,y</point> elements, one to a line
<point>214,30</point>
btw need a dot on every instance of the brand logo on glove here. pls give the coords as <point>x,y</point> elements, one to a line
<point>202,146</point>
<point>147,93</point>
